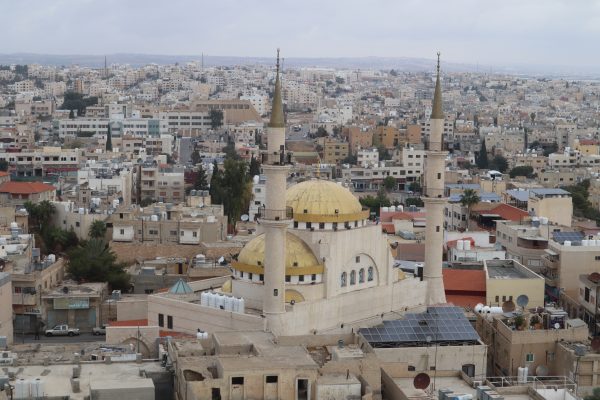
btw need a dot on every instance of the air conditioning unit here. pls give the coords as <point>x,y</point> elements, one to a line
<point>476,384</point>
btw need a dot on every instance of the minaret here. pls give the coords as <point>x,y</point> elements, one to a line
<point>274,217</point>
<point>109,139</point>
<point>435,201</point>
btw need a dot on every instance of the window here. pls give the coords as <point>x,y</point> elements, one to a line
<point>77,224</point>
<point>301,278</point>
<point>353,277</point>
<point>161,320</point>
<point>357,259</point>
<point>497,299</point>
<point>321,225</point>
<point>411,368</point>
<point>529,357</point>
<point>237,380</point>
<point>313,277</point>
<point>271,379</point>
<point>149,291</point>
<point>261,277</point>
<point>343,279</point>
<point>250,275</point>
<point>169,322</point>
<point>173,233</point>
<point>122,231</point>
<point>287,278</point>
<point>597,258</point>
<point>361,276</point>
<point>195,234</point>
<point>370,274</point>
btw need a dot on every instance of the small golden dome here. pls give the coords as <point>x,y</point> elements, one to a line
<point>323,201</point>
<point>226,288</point>
<point>299,258</point>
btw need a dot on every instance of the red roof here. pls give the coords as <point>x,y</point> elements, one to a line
<point>411,251</point>
<point>506,212</point>
<point>465,300</point>
<point>131,322</point>
<point>25,187</point>
<point>464,281</point>
<point>3,173</point>
<point>388,228</point>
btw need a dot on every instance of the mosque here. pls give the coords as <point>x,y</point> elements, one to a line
<point>319,264</point>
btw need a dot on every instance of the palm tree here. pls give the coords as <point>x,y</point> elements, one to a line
<point>468,199</point>
<point>97,229</point>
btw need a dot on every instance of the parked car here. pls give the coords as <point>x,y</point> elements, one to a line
<point>62,330</point>
<point>97,331</point>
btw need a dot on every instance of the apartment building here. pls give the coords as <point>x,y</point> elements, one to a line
<point>50,160</point>
<point>160,184</point>
<point>334,151</point>
<point>506,280</point>
<point>589,300</point>
<point>358,138</point>
<point>169,224</point>
<point>367,157</point>
<point>554,204</point>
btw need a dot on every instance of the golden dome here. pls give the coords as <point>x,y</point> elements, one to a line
<point>226,288</point>
<point>323,201</point>
<point>299,258</point>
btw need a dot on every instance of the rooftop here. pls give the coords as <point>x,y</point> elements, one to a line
<point>507,269</point>
<point>25,187</point>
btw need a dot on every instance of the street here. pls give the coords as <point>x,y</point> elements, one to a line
<point>82,338</point>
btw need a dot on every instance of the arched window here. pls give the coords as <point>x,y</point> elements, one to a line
<point>370,274</point>
<point>353,277</point>
<point>361,276</point>
<point>343,279</point>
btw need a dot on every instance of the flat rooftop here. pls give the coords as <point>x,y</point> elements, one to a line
<point>454,383</point>
<point>56,377</point>
<point>507,269</point>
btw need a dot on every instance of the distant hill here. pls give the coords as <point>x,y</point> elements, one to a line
<point>406,64</point>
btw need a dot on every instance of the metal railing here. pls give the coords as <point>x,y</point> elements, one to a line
<point>275,215</point>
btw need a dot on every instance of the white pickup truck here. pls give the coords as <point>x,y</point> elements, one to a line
<point>62,330</point>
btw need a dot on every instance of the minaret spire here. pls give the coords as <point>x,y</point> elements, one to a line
<point>436,110</point>
<point>277,119</point>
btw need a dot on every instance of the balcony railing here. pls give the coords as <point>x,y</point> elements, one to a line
<point>275,215</point>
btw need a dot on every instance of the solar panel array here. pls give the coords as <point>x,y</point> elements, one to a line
<point>573,237</point>
<point>440,324</point>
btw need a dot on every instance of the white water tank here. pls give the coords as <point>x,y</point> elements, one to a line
<point>567,243</point>
<point>385,209</point>
<point>236,304</point>
<point>242,306</point>
<point>81,210</point>
<point>478,308</point>
<point>460,244</point>
<point>210,219</point>
<point>544,220</point>
<point>400,208</point>
<point>393,208</point>
<point>485,310</point>
<point>212,299</point>
<point>585,242</point>
<point>228,303</point>
<point>522,374</point>
<point>154,218</point>
<point>221,301</point>
<point>37,388</point>
<point>52,258</point>
<point>467,245</point>
<point>22,389</point>
<point>204,298</point>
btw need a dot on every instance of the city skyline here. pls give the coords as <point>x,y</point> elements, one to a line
<point>534,33</point>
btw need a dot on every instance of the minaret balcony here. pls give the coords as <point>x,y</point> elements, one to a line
<point>275,215</point>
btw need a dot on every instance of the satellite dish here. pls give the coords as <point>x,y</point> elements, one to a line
<point>421,381</point>
<point>541,370</point>
<point>508,306</point>
<point>245,217</point>
<point>523,300</point>
<point>596,343</point>
<point>557,326</point>
<point>221,260</point>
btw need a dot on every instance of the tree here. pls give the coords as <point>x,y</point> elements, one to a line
<point>322,132</point>
<point>468,199</point>
<point>237,189</point>
<point>146,201</point>
<point>195,157</point>
<point>230,151</point>
<point>532,117</point>
<point>521,170</point>
<point>97,229</point>
<point>39,214</point>
<point>216,185</point>
<point>350,159</point>
<point>339,80</point>
<point>76,101</point>
<point>482,158</point>
<point>216,118</point>
<point>95,262</point>
<point>254,168</point>
<point>414,187</point>
<point>375,203</point>
<point>595,394</point>
<point>71,114</point>
<point>414,201</point>
<point>389,183</point>
<point>201,181</point>
<point>384,153</point>
<point>499,163</point>
<point>3,165</point>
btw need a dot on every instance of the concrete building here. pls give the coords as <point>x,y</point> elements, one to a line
<point>367,157</point>
<point>589,300</point>
<point>159,184</point>
<point>6,309</point>
<point>554,204</point>
<point>334,151</point>
<point>77,305</point>
<point>506,280</point>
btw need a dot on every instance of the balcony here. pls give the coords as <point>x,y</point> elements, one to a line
<point>275,215</point>
<point>24,299</point>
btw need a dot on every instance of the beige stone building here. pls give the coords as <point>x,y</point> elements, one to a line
<point>554,204</point>
<point>506,280</point>
<point>6,309</point>
<point>334,151</point>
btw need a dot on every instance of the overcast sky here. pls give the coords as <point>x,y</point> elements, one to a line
<point>503,32</point>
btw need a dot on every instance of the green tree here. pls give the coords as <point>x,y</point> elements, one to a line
<point>216,185</point>
<point>254,168</point>
<point>321,132</point>
<point>94,261</point>
<point>375,203</point>
<point>468,199</point>
<point>3,165</point>
<point>201,181</point>
<point>216,118</point>
<point>521,170</point>
<point>482,158</point>
<point>414,201</point>
<point>71,114</point>
<point>499,163</point>
<point>195,157</point>
<point>146,201</point>
<point>350,159</point>
<point>39,214</point>
<point>97,229</point>
<point>237,189</point>
<point>414,187</point>
<point>230,151</point>
<point>389,183</point>
<point>595,395</point>
<point>532,117</point>
<point>339,80</point>
<point>384,153</point>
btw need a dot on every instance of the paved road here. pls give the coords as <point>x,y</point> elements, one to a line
<point>84,337</point>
